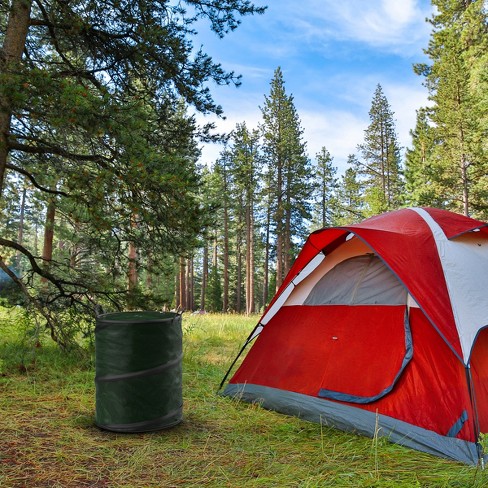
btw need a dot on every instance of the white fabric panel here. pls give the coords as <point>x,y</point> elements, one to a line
<point>352,247</point>
<point>277,304</point>
<point>465,264</point>
<point>304,273</point>
<point>256,333</point>
<point>309,268</point>
<point>411,303</point>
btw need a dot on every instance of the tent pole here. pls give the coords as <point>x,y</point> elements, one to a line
<point>248,340</point>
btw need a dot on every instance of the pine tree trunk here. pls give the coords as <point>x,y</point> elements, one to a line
<point>383,139</point>
<point>183,285</point>
<point>11,54</point>
<point>252,300</point>
<point>204,277</point>
<point>266,257</point>
<point>216,300</point>
<point>47,248</point>
<point>279,225</point>
<point>149,280</point>
<point>287,236</point>
<point>177,286</point>
<point>189,284</point>
<point>239,276</point>
<point>36,239</point>
<point>324,210</point>
<point>225,301</point>
<point>249,259</point>
<point>465,182</point>
<point>20,234</point>
<point>132,267</point>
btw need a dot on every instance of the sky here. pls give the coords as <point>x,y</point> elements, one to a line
<point>333,55</point>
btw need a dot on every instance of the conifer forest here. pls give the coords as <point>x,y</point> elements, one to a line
<point>106,204</point>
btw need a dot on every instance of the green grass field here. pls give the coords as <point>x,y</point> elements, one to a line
<point>48,437</point>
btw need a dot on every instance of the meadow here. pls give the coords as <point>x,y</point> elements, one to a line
<point>48,437</point>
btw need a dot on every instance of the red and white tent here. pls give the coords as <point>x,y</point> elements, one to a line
<point>382,327</point>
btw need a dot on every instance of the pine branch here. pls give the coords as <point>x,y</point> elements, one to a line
<point>35,303</point>
<point>45,148</point>
<point>34,182</point>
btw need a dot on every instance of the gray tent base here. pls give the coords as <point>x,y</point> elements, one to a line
<point>351,419</point>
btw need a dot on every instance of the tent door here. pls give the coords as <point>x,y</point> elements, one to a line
<point>368,350</point>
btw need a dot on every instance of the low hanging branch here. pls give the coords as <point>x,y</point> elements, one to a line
<point>34,182</point>
<point>49,319</point>
<point>72,290</point>
<point>43,147</point>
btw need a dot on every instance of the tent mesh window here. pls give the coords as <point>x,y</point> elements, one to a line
<point>360,280</point>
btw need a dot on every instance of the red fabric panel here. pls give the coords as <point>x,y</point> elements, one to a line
<point>295,352</point>
<point>303,349</point>
<point>479,372</point>
<point>454,224</point>
<point>355,361</point>
<point>405,242</point>
<point>433,391</point>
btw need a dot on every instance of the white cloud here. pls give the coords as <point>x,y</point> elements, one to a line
<point>404,11</point>
<point>405,100</point>
<point>338,119</point>
<point>394,25</point>
<point>332,94</point>
<point>339,131</point>
<point>244,108</point>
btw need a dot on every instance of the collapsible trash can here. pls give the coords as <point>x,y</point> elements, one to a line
<point>138,371</point>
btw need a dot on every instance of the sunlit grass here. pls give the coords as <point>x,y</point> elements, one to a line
<point>48,438</point>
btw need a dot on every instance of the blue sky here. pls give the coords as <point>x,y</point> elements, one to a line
<point>332,54</point>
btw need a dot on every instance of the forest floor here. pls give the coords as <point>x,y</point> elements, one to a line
<point>48,437</point>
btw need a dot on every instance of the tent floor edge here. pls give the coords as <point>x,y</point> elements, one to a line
<point>352,419</point>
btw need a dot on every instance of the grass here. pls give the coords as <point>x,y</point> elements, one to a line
<point>48,438</point>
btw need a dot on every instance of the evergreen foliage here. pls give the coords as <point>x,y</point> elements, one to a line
<point>289,172</point>
<point>456,78</point>
<point>103,203</point>
<point>93,99</point>
<point>325,209</point>
<point>380,167</point>
<point>350,195</point>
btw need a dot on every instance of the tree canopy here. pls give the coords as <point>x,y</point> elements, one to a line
<point>93,121</point>
<point>457,160</point>
<point>103,201</point>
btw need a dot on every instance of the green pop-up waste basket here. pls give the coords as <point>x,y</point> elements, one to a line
<point>138,363</point>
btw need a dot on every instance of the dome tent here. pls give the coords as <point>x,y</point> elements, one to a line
<point>381,328</point>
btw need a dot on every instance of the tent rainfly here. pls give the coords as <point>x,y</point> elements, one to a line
<point>381,328</point>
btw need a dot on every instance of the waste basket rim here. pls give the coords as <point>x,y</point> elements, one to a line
<point>135,316</point>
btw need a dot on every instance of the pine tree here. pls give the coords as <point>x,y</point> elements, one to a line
<point>214,288</point>
<point>96,94</point>
<point>380,168</point>
<point>79,56</point>
<point>246,168</point>
<point>421,182</point>
<point>457,50</point>
<point>350,199</point>
<point>325,208</point>
<point>288,170</point>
